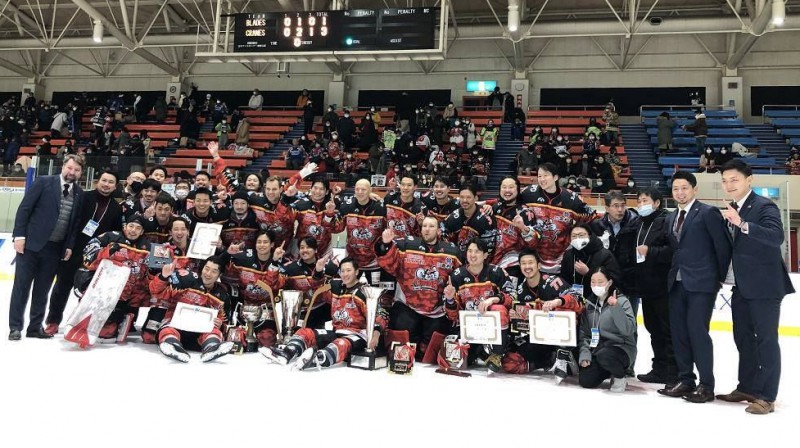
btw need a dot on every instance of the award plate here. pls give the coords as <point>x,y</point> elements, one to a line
<point>401,357</point>
<point>204,241</point>
<point>518,315</point>
<point>553,328</point>
<point>196,319</point>
<point>477,328</point>
<point>159,256</point>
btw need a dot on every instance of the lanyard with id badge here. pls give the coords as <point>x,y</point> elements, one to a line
<point>639,256</point>
<point>595,341</point>
<point>91,227</point>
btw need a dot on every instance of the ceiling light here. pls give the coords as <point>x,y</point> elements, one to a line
<point>97,32</point>
<point>778,12</point>
<point>513,15</point>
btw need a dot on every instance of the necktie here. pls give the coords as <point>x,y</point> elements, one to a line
<point>66,190</point>
<point>679,226</point>
<point>731,227</point>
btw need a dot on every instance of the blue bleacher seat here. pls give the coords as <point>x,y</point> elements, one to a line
<point>668,172</point>
<point>711,122</point>
<point>774,113</point>
<point>794,141</point>
<point>695,161</point>
<point>749,142</point>
<point>786,122</point>
<point>791,132</point>
<point>690,113</point>
<point>713,132</point>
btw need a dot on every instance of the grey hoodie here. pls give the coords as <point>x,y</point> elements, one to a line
<point>617,325</point>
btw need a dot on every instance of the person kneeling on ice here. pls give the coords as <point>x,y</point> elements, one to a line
<point>539,292</point>
<point>607,338</point>
<point>349,313</point>
<point>189,288</point>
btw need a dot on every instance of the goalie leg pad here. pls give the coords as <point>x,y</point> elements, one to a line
<point>432,350</point>
<point>399,336</point>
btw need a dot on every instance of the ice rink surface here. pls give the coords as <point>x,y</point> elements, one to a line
<point>130,395</point>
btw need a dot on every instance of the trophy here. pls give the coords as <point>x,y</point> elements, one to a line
<point>235,333</point>
<point>290,306</point>
<point>250,315</point>
<point>368,359</point>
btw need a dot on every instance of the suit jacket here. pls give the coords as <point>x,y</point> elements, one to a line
<point>703,254</point>
<point>111,220</point>
<point>38,213</point>
<point>758,264</point>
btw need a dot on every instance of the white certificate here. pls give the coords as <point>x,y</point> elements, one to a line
<point>553,328</point>
<point>477,328</point>
<point>197,319</point>
<point>204,241</point>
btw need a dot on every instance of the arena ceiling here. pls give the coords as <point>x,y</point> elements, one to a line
<point>167,33</point>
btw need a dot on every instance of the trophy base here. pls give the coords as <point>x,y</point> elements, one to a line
<point>251,346</point>
<point>367,361</point>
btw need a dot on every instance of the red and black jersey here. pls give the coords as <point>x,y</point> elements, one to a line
<point>533,297</point>
<point>299,276</point>
<point>421,269</point>
<point>364,225</point>
<point>240,229</point>
<point>277,217</point>
<point>462,229</point>
<point>509,240</point>
<point>132,206</point>
<point>116,247</point>
<point>335,150</point>
<point>349,309</point>
<point>471,289</point>
<point>245,269</point>
<point>314,221</point>
<point>554,216</point>
<point>439,211</point>
<point>154,232</point>
<point>214,216</point>
<point>402,216</point>
<point>187,287</point>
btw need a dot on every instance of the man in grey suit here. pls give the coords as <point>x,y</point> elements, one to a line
<point>701,257</point>
<point>760,281</point>
<point>44,233</point>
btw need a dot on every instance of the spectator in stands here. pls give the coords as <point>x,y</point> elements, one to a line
<point>303,99</point>
<point>700,130</point>
<point>220,111</point>
<point>611,118</point>
<point>308,118</point>
<point>600,186</point>
<point>139,109</point>
<point>707,161</point>
<point>243,132</point>
<point>10,153</point>
<point>518,129</point>
<point>190,131</point>
<point>742,151</point>
<point>450,114</point>
<point>369,134</point>
<point>592,129</point>
<point>44,149</point>
<point>591,147</point>
<point>604,171</point>
<point>58,127</point>
<point>489,136</point>
<point>222,128</point>
<point>295,156</point>
<point>631,187</point>
<point>256,100</point>
<point>160,109</point>
<point>572,185</point>
<point>331,118</point>
<point>793,164</point>
<point>586,254</point>
<point>236,117</point>
<point>526,161</point>
<point>495,99</point>
<point>346,127</point>
<point>665,125</point>
<point>724,156</point>
<point>470,133</point>
<point>508,108</point>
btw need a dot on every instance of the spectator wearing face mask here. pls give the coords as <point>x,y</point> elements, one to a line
<point>708,161</point>
<point>724,156</point>
<point>346,127</point>
<point>700,130</point>
<point>585,255</point>
<point>591,146</point>
<point>526,161</point>
<point>450,115</point>
<point>593,129</point>
<point>222,128</point>
<point>793,164</point>
<point>603,171</point>
<point>256,100</point>
<point>631,187</point>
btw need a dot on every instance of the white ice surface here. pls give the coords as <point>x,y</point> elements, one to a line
<point>55,394</point>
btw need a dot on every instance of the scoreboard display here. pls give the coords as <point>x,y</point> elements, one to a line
<point>352,30</point>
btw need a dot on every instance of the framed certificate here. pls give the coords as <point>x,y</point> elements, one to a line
<point>159,256</point>
<point>553,328</point>
<point>204,241</point>
<point>477,328</point>
<point>197,319</point>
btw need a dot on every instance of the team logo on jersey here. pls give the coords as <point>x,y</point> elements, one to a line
<point>341,315</point>
<point>314,230</point>
<point>428,274</point>
<point>447,263</point>
<point>362,234</point>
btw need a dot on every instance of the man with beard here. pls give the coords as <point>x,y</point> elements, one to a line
<point>315,217</point>
<point>513,232</point>
<point>273,210</point>
<point>99,213</point>
<point>144,202</point>
<point>404,212</point>
<point>467,223</point>
<point>439,203</point>
<point>422,267</point>
<point>242,225</point>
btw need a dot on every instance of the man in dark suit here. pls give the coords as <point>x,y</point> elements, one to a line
<point>99,213</point>
<point>760,281</point>
<point>44,233</point>
<point>702,254</point>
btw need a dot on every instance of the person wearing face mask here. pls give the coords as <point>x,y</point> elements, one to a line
<point>700,130</point>
<point>585,255</point>
<point>604,172</point>
<point>450,115</point>
<point>592,129</point>
<point>302,99</point>
<point>793,164</point>
<point>368,134</point>
<point>182,189</point>
<point>223,129</point>
<point>723,157</point>
<point>489,136</point>
<point>591,146</point>
<point>526,161</point>
<point>345,128</point>
<point>708,161</point>
<point>572,185</point>
<point>256,100</point>
<point>631,188</point>
<point>607,343</point>
<point>653,260</point>
<point>220,111</point>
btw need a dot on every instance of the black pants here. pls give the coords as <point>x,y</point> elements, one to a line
<point>318,317</point>
<point>65,280</point>
<point>689,318</point>
<point>538,356</point>
<point>419,327</point>
<point>656,321</point>
<point>37,269</point>
<point>607,361</point>
<point>755,332</point>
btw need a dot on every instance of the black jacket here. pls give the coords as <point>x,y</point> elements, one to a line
<point>651,275</point>
<point>622,245</point>
<point>595,256</point>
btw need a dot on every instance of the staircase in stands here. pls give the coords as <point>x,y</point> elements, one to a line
<point>642,159</point>
<point>770,140</point>
<point>505,151</point>
<point>276,150</point>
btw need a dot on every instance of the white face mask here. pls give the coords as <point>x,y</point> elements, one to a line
<point>645,210</point>
<point>579,243</point>
<point>630,184</point>
<point>599,291</point>
<point>599,183</point>
<point>181,194</point>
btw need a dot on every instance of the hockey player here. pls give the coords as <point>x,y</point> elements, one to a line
<point>513,232</point>
<point>479,286</point>
<point>316,216</point>
<point>203,211</point>
<point>305,275</point>
<point>439,203</point>
<point>242,225</point>
<point>422,267</point>
<point>144,202</point>
<point>404,211</point>
<point>124,248</point>
<point>546,293</point>
<point>199,290</point>
<point>467,222</point>
<point>325,348</point>
<point>273,210</point>
<point>156,227</point>
<point>555,211</point>
<point>364,218</point>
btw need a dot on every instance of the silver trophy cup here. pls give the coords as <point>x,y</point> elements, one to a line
<point>368,359</point>
<point>287,313</point>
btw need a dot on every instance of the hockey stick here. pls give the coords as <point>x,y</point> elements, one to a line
<point>322,289</point>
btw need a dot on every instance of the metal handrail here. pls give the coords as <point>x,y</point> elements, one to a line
<point>576,107</point>
<point>778,107</point>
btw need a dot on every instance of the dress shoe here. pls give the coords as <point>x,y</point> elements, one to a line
<point>653,377</point>
<point>701,395</point>
<point>761,407</point>
<point>736,396</point>
<point>677,390</point>
<point>51,329</point>
<point>38,333</point>
<point>14,335</point>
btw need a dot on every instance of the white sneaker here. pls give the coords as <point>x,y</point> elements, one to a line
<point>618,385</point>
<point>304,361</point>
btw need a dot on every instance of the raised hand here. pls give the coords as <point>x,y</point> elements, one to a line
<point>519,223</point>
<point>388,235</point>
<point>321,262</point>
<point>449,291</point>
<point>213,149</point>
<point>279,252</point>
<point>291,191</point>
<point>330,207</point>
<point>235,248</point>
<point>167,270</point>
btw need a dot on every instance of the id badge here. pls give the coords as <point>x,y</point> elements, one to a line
<point>595,338</point>
<point>577,288</point>
<point>90,228</point>
<point>640,257</point>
